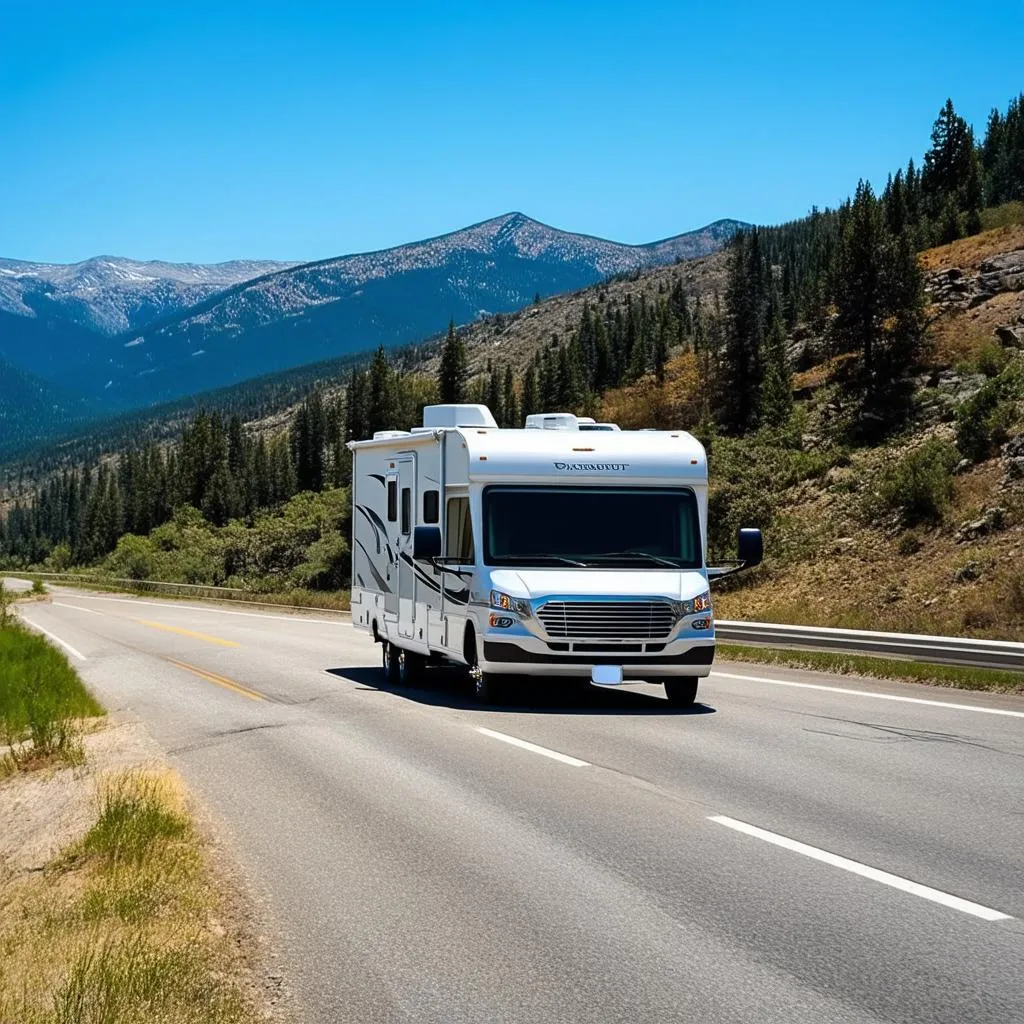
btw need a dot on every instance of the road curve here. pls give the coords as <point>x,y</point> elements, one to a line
<point>799,847</point>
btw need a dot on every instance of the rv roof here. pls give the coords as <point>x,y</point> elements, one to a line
<point>585,454</point>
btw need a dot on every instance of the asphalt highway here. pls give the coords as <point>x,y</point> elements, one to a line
<point>798,847</point>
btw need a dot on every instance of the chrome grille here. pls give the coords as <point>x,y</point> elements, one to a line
<point>607,620</point>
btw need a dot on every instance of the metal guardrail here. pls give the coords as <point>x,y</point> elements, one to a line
<point>234,595</point>
<point>941,650</point>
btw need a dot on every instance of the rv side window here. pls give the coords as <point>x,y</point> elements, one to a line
<point>392,501</point>
<point>406,510</point>
<point>431,506</point>
<point>459,543</point>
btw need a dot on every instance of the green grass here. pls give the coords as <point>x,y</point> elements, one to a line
<point>962,678</point>
<point>41,696</point>
<point>135,819</point>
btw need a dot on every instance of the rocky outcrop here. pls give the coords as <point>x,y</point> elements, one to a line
<point>955,288</point>
<point>1013,461</point>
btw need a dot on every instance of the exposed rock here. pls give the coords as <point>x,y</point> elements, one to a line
<point>1003,273</point>
<point>1010,337</point>
<point>992,521</point>
<point>962,466</point>
<point>967,573</point>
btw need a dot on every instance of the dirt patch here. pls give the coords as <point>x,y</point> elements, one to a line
<point>43,812</point>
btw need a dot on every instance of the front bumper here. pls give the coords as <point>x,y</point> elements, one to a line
<point>523,655</point>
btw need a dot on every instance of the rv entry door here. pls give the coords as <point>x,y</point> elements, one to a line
<point>406,566</point>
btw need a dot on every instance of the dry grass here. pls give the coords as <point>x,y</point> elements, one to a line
<point>969,253</point>
<point>122,927</point>
<point>672,405</point>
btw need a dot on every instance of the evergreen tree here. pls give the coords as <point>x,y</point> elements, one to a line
<point>454,371</point>
<point>777,387</point>
<point>741,368</point>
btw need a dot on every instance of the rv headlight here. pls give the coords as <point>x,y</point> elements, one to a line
<point>505,603</point>
<point>700,603</point>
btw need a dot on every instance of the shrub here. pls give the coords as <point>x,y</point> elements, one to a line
<point>920,485</point>
<point>991,359</point>
<point>909,544</point>
<point>984,420</point>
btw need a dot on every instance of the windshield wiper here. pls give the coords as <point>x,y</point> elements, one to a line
<point>517,559</point>
<point>656,559</point>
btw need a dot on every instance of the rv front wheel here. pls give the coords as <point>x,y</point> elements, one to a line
<point>682,692</point>
<point>389,661</point>
<point>410,668</point>
<point>488,687</point>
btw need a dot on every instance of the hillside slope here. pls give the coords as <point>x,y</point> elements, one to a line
<point>912,535</point>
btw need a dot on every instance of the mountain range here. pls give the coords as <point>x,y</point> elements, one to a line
<point>112,334</point>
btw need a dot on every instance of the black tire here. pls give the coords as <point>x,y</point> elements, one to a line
<point>489,688</point>
<point>681,692</point>
<point>389,661</point>
<point>410,668</point>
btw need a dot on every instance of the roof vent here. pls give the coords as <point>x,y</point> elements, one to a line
<point>388,435</point>
<point>552,421</point>
<point>458,416</point>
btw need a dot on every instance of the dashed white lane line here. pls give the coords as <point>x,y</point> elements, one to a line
<point>533,748</point>
<point>868,693</point>
<point>56,639</point>
<point>75,607</point>
<point>202,608</point>
<point>855,867</point>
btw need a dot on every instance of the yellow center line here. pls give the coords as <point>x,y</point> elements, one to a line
<point>188,632</point>
<point>212,677</point>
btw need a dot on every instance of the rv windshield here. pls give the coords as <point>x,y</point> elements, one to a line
<point>617,527</point>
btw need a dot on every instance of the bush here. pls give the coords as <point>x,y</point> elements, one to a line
<point>909,544</point>
<point>920,486</point>
<point>984,421</point>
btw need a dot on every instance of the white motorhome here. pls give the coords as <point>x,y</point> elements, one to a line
<point>556,550</point>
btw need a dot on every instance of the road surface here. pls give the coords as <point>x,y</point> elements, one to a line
<point>797,848</point>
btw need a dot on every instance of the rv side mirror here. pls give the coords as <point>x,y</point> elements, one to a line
<point>751,547</point>
<point>426,543</point>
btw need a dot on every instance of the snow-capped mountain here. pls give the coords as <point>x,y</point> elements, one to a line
<point>251,318</point>
<point>110,294</point>
<point>392,297</point>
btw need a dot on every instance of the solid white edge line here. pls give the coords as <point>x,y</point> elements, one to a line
<point>55,639</point>
<point>204,608</point>
<point>74,607</point>
<point>533,748</point>
<point>868,693</point>
<point>855,867</point>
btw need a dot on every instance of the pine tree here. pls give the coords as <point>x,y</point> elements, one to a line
<point>454,371</point>
<point>509,402</point>
<point>777,387</point>
<point>531,391</point>
<point>741,367</point>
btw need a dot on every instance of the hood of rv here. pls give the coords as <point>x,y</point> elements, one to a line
<point>537,584</point>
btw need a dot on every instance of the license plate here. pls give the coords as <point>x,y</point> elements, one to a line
<point>606,675</point>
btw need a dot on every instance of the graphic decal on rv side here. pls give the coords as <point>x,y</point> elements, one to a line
<point>591,467</point>
<point>455,596</point>
<point>380,531</point>
<point>378,579</point>
<point>377,476</point>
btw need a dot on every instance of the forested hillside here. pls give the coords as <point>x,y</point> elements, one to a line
<point>857,377</point>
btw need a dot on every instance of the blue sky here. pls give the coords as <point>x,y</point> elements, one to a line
<point>293,130</point>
